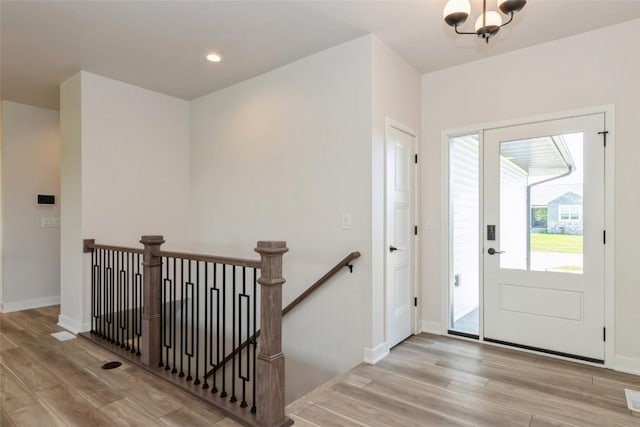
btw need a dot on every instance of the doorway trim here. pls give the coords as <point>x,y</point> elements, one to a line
<point>609,249</point>
<point>415,314</point>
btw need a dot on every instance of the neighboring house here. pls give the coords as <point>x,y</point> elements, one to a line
<point>564,214</point>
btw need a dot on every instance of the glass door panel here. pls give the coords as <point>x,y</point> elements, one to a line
<point>464,214</point>
<point>541,198</point>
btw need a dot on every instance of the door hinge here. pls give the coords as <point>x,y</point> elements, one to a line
<point>604,134</point>
<point>415,301</point>
<point>415,159</point>
<point>415,230</point>
<point>604,334</point>
<point>604,237</point>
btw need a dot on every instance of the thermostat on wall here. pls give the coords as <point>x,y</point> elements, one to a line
<point>44,199</point>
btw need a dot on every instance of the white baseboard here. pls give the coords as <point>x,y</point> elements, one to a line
<point>629,365</point>
<point>72,325</point>
<point>429,327</point>
<point>28,304</point>
<point>374,355</point>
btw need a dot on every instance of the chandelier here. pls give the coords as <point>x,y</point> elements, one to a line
<point>488,24</point>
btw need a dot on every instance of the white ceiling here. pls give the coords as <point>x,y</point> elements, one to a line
<point>160,45</point>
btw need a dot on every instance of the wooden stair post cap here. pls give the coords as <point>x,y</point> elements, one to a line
<point>272,247</point>
<point>157,240</point>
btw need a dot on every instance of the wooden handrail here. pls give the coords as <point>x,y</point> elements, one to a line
<point>339,266</point>
<point>211,258</point>
<point>90,245</point>
<point>346,262</point>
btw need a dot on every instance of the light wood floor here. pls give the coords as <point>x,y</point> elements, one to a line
<point>45,382</point>
<point>438,381</point>
<point>426,381</point>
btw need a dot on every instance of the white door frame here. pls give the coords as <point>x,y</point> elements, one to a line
<point>609,249</point>
<point>391,123</point>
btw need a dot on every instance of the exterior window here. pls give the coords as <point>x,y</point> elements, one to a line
<point>569,212</point>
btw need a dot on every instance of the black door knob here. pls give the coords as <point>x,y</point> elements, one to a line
<point>393,249</point>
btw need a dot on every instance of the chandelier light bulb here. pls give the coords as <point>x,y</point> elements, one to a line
<point>489,25</point>
<point>456,12</point>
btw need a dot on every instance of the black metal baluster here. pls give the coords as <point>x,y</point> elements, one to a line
<point>205,385</point>
<point>214,389</point>
<point>255,339</point>
<point>116,283</point>
<point>93,292</point>
<point>140,295</point>
<point>184,308</point>
<point>98,294</point>
<point>102,294</point>
<point>163,315</point>
<point>134,302</point>
<point>107,293</point>
<point>118,303</point>
<point>224,329</point>
<point>109,296</point>
<point>128,303</point>
<point>123,300</point>
<point>197,325</point>
<point>233,335</point>
<point>166,295</point>
<point>175,318</point>
<point>112,291</point>
<point>191,329</point>
<point>245,297</point>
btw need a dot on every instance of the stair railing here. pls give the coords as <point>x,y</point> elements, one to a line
<point>346,262</point>
<point>148,305</point>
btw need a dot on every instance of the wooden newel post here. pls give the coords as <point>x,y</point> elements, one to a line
<point>151,300</point>
<point>270,365</point>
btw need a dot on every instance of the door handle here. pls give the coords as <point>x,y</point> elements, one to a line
<point>492,251</point>
<point>393,249</point>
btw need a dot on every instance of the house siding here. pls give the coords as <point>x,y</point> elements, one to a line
<point>557,226</point>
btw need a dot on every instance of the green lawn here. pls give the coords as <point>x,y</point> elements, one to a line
<point>562,243</point>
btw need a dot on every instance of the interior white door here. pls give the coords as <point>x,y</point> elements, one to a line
<point>543,276</point>
<point>400,149</point>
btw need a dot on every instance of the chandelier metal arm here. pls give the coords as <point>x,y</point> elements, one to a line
<point>510,19</point>
<point>463,32</point>
<point>455,27</point>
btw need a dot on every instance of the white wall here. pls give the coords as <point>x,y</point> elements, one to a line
<point>135,157</point>
<point>396,95</point>
<point>30,166</point>
<point>281,157</point>
<point>132,174</point>
<point>72,298</point>
<point>591,69</point>
<point>1,244</point>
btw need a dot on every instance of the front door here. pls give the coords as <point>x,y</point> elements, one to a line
<point>543,248</point>
<point>400,149</point>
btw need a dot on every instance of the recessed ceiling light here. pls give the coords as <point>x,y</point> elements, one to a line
<point>214,57</point>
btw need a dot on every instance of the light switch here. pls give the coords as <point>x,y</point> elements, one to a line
<point>49,222</point>
<point>346,221</point>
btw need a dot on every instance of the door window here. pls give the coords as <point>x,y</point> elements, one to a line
<point>541,197</point>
